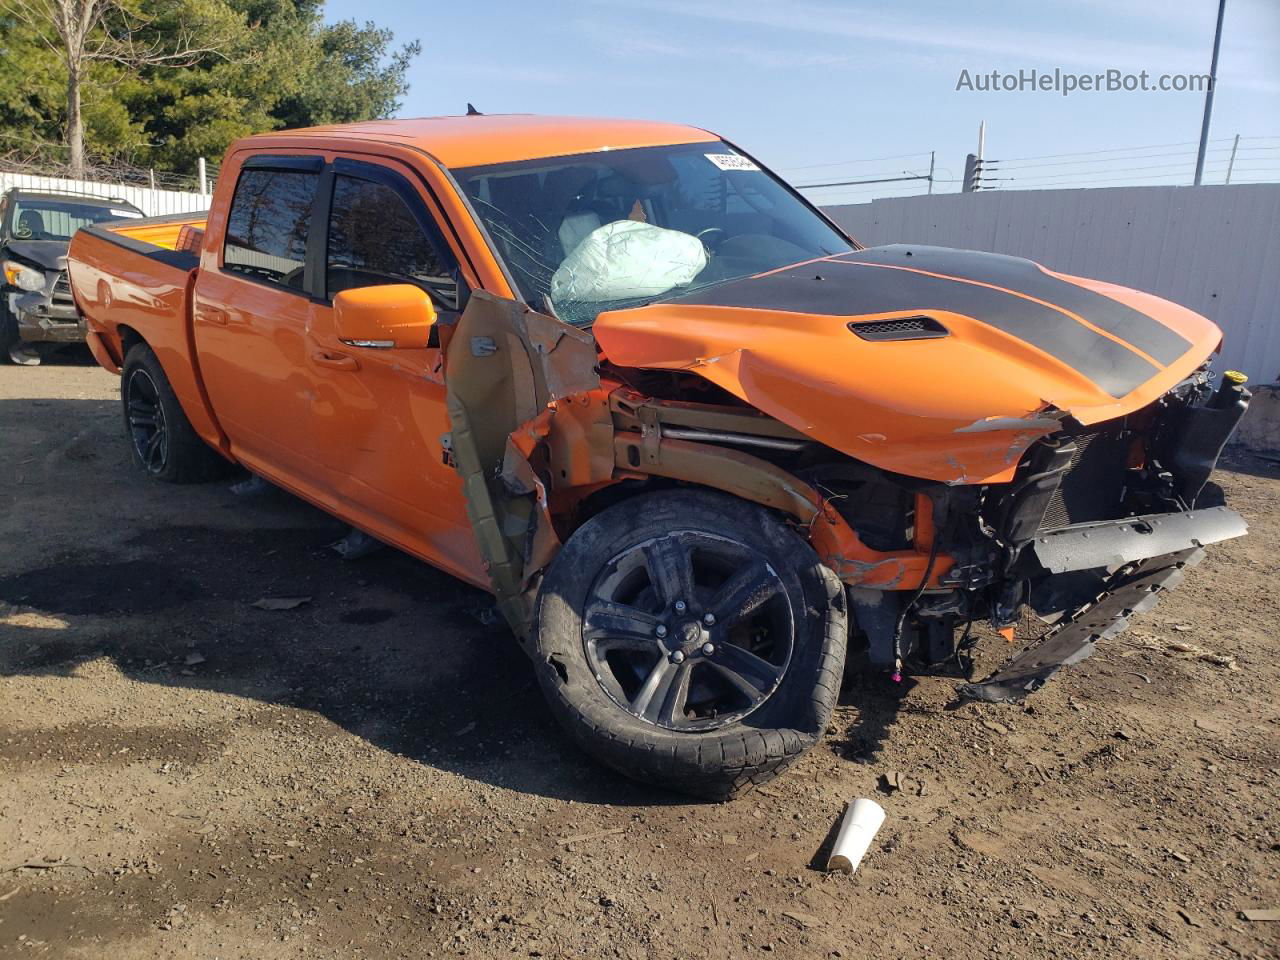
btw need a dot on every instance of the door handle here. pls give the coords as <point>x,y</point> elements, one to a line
<point>338,361</point>
<point>214,315</point>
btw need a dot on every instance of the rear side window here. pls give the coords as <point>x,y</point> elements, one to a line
<point>267,227</point>
<point>375,238</point>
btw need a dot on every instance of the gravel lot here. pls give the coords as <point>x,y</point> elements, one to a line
<point>374,774</point>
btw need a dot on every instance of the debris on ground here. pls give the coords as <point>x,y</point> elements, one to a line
<point>862,820</point>
<point>1188,650</point>
<point>252,486</point>
<point>1261,914</point>
<point>891,782</point>
<point>356,544</point>
<point>280,603</point>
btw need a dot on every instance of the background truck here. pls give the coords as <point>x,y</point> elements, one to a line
<point>35,297</point>
<point>693,438</point>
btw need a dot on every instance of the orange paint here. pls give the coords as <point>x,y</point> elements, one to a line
<point>269,377</point>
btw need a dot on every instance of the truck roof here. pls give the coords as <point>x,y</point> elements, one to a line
<point>468,141</point>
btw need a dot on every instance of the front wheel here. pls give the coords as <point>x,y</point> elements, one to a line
<point>691,640</point>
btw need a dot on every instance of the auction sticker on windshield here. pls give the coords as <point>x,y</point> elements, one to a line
<point>730,161</point>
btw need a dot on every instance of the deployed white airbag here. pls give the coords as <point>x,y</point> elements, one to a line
<point>628,259</point>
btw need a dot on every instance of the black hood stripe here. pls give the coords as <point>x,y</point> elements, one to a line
<point>1143,332</point>
<point>845,292</point>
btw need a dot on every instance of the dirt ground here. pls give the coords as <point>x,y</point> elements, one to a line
<point>374,774</point>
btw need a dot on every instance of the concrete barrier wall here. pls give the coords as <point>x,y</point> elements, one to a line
<point>1215,249</point>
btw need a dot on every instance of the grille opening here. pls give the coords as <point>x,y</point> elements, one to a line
<point>900,328</point>
<point>61,289</point>
<point>1093,484</point>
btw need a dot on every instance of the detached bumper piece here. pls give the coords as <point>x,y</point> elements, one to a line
<point>1116,542</point>
<point>1134,589</point>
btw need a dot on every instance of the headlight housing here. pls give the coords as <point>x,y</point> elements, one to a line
<point>23,277</point>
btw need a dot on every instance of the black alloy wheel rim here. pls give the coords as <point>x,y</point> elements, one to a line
<point>689,631</point>
<point>147,425</point>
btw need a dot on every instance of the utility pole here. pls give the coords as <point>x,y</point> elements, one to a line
<point>973,163</point>
<point>1208,95</point>
<point>931,159</point>
<point>1232,162</point>
<point>201,176</point>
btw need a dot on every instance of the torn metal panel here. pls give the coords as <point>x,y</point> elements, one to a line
<point>759,481</point>
<point>1010,423</point>
<point>1134,589</point>
<point>512,374</point>
<point>632,410</point>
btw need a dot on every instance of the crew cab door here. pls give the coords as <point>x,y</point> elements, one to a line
<point>250,311</point>
<point>379,413</point>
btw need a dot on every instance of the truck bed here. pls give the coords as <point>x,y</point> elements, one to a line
<point>131,279</point>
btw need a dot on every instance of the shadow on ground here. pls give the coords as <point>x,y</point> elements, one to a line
<point>161,580</point>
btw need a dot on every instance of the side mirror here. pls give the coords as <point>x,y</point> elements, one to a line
<point>391,315</point>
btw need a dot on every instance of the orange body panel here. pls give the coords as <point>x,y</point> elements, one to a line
<point>958,409</point>
<point>163,234</point>
<point>264,377</point>
<point>472,141</point>
<point>120,292</point>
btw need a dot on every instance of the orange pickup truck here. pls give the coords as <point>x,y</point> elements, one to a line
<point>693,437</point>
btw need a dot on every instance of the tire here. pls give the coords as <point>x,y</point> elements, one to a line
<point>8,329</point>
<point>736,699</point>
<point>162,440</point>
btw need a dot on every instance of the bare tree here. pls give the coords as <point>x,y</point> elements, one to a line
<point>82,32</point>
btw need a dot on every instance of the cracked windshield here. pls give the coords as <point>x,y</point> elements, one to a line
<point>604,231</point>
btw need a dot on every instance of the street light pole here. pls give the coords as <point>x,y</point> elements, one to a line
<point>1208,96</point>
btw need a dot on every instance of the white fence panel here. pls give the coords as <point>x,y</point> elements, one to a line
<point>154,203</point>
<point>1214,249</point>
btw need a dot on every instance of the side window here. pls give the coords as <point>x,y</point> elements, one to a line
<point>267,226</point>
<point>375,238</point>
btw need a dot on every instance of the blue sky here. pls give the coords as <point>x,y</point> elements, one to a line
<point>809,85</point>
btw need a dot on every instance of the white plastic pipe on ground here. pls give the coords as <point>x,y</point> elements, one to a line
<point>862,820</point>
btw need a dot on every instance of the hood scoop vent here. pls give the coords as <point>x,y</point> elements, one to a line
<point>900,328</point>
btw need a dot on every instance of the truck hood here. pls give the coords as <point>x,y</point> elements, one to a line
<point>931,362</point>
<point>50,254</point>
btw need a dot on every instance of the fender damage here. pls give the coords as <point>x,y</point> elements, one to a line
<point>959,379</point>
<point>535,430</point>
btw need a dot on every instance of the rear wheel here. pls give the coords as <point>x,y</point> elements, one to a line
<point>692,641</point>
<point>163,441</point>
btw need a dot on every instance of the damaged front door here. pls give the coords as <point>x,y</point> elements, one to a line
<point>509,372</point>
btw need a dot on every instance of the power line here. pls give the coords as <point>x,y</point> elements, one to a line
<point>1069,185</point>
<point>1091,153</point>
<point>1138,156</point>
<point>1089,173</point>
<point>849,183</point>
<point>841,163</point>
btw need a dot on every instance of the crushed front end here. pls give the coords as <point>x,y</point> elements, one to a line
<point>1096,523</point>
<point>47,314</point>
